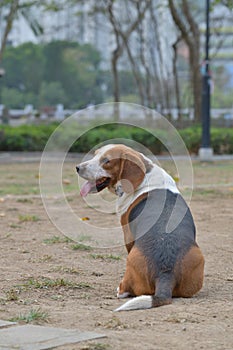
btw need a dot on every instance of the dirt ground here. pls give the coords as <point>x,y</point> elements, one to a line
<point>74,286</point>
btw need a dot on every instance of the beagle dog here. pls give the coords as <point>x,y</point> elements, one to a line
<point>164,260</point>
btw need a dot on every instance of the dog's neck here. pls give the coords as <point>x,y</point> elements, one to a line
<point>156,178</point>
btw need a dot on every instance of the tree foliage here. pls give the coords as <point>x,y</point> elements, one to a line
<point>58,72</point>
<point>70,72</point>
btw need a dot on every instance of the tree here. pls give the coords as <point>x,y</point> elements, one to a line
<point>10,16</point>
<point>122,35</point>
<point>51,94</point>
<point>76,67</point>
<point>227,3</point>
<point>58,72</point>
<point>24,65</point>
<point>14,98</point>
<point>175,75</point>
<point>13,8</point>
<point>131,21</point>
<point>190,33</point>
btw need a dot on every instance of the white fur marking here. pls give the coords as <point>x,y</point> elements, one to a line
<point>93,169</point>
<point>142,302</point>
<point>122,295</point>
<point>155,179</point>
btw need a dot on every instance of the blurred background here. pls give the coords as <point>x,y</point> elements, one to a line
<point>60,56</point>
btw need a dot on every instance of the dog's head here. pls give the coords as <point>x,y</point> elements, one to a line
<point>111,164</point>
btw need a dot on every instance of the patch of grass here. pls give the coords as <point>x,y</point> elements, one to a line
<point>206,192</point>
<point>28,218</point>
<point>34,315</point>
<point>70,270</point>
<point>48,283</point>
<point>83,285</point>
<point>14,226</point>
<point>84,238</point>
<point>80,246</point>
<point>18,189</point>
<point>12,295</point>
<point>46,258</point>
<point>105,257</point>
<point>2,301</point>
<point>57,239</point>
<point>210,193</point>
<point>24,200</point>
<point>113,323</point>
<point>12,209</point>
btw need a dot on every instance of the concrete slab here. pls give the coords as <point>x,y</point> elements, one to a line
<point>6,323</point>
<point>28,337</point>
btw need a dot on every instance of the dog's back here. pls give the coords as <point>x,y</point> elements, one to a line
<point>163,229</point>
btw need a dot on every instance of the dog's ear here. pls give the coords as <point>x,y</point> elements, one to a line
<point>132,171</point>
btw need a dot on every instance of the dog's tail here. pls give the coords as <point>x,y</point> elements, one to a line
<point>144,302</point>
<point>163,296</point>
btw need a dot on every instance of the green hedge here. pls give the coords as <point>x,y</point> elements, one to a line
<point>221,139</point>
<point>34,138</point>
<point>25,137</point>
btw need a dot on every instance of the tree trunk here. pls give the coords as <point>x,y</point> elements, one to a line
<point>115,85</point>
<point>121,41</point>
<point>115,58</point>
<point>196,84</point>
<point>176,80</point>
<point>9,21</point>
<point>191,35</point>
<point>161,89</point>
<point>135,73</point>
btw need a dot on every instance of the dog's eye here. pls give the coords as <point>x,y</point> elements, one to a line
<point>105,161</point>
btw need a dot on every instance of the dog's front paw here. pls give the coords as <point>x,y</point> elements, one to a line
<point>122,295</point>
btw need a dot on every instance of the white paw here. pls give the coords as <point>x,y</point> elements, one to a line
<point>123,295</point>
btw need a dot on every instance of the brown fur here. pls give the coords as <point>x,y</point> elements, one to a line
<point>136,280</point>
<point>125,164</point>
<point>190,273</point>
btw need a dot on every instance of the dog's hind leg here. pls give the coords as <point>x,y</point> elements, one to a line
<point>163,295</point>
<point>136,280</point>
<point>191,274</point>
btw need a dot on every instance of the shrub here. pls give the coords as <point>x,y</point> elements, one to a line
<point>192,138</point>
<point>35,137</point>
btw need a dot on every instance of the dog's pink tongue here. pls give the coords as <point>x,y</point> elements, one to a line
<point>86,188</point>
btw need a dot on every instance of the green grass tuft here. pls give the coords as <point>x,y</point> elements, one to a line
<point>80,246</point>
<point>57,239</point>
<point>48,283</point>
<point>105,257</point>
<point>28,218</point>
<point>34,315</point>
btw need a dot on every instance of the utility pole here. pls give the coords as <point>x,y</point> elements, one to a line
<point>206,152</point>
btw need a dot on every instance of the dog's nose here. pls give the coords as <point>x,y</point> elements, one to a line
<point>77,168</point>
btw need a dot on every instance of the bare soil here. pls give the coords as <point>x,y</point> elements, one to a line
<point>76,288</point>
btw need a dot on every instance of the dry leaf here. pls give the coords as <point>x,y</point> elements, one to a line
<point>85,218</point>
<point>66,181</point>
